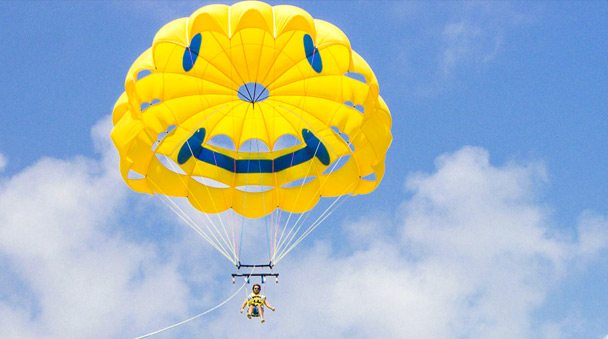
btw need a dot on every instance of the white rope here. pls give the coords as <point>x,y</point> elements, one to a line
<point>297,198</point>
<point>311,228</point>
<point>289,245</point>
<point>213,236</point>
<point>285,247</point>
<point>225,240</point>
<point>184,216</point>
<point>289,237</point>
<point>199,315</point>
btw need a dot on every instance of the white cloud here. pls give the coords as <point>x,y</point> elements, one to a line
<point>593,234</point>
<point>69,274</point>
<point>475,34</point>
<point>466,42</point>
<point>476,256</point>
<point>3,162</point>
<point>471,254</point>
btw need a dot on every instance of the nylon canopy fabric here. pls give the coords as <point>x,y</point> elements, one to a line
<point>247,72</point>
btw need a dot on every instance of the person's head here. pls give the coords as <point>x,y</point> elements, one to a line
<point>256,288</point>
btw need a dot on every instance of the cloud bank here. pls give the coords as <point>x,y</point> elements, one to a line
<point>470,252</point>
<point>66,274</point>
<point>3,162</point>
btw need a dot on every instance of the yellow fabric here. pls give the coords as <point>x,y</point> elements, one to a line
<point>250,42</point>
<point>255,299</point>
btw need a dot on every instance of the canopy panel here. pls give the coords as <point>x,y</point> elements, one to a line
<point>254,73</point>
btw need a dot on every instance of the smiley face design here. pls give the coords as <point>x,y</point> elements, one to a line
<point>229,77</point>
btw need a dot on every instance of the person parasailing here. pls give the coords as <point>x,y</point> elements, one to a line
<point>256,302</point>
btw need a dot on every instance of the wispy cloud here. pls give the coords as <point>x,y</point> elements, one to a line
<point>465,42</point>
<point>65,273</point>
<point>474,259</point>
<point>474,35</point>
<point>471,253</point>
<point>3,162</point>
<point>458,39</point>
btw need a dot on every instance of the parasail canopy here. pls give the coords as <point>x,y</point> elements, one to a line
<point>251,108</point>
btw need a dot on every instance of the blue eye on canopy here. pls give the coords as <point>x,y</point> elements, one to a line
<point>312,54</point>
<point>191,52</point>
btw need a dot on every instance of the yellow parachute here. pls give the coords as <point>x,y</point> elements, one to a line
<point>229,77</point>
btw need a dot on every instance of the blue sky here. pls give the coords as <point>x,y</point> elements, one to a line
<point>491,220</point>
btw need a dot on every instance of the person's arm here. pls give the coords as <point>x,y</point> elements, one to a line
<point>243,306</point>
<point>268,305</point>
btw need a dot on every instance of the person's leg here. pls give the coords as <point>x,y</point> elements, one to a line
<point>249,311</point>
<point>261,310</point>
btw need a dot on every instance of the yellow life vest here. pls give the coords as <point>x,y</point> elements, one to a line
<point>255,299</point>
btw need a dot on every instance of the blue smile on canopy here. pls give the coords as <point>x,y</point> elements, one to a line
<point>193,147</point>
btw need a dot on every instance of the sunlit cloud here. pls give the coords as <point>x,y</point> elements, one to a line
<point>69,275</point>
<point>3,162</point>
<point>470,252</point>
<point>466,43</point>
<point>474,36</point>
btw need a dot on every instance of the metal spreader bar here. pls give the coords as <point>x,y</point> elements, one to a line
<point>261,275</point>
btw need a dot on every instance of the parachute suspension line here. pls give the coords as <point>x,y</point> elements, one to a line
<point>225,240</point>
<point>312,227</point>
<point>299,225</point>
<point>233,223</point>
<point>210,222</point>
<point>328,211</point>
<point>230,221</point>
<point>195,226</point>
<point>262,182</point>
<point>293,230</point>
<point>264,203</point>
<point>276,233</point>
<point>184,216</point>
<point>221,221</point>
<point>236,142</point>
<point>291,164</point>
<point>201,314</point>
<point>241,238</point>
<point>278,243</point>
<point>286,246</point>
<point>276,211</point>
<point>246,190</point>
<point>271,240</point>
<point>242,216</point>
<point>204,120</point>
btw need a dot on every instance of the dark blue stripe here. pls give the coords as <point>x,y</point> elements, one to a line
<point>193,147</point>
<point>314,147</point>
